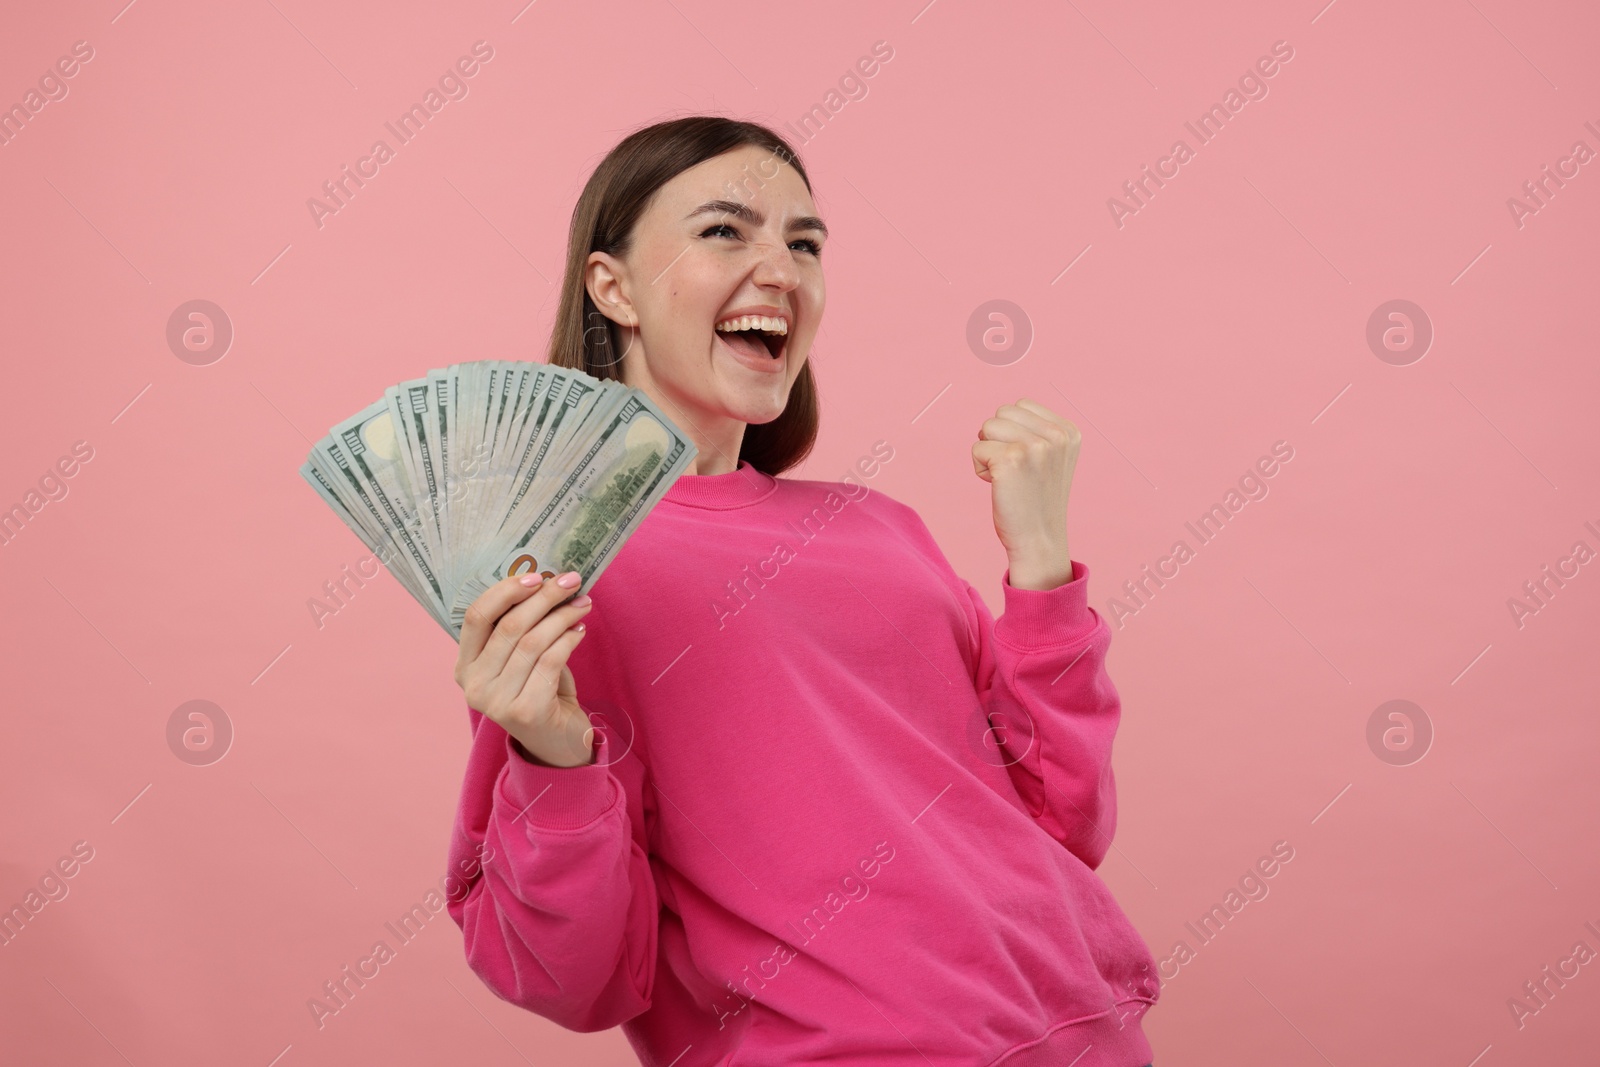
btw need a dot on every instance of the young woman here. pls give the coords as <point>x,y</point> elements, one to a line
<point>782,790</point>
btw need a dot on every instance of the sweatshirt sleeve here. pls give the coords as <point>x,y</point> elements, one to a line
<point>554,893</point>
<point>1041,676</point>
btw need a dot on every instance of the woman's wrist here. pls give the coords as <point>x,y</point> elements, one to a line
<point>1042,570</point>
<point>529,757</point>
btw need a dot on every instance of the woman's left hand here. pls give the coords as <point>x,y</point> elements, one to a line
<point>1027,454</point>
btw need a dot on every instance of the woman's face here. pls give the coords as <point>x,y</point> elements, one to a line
<point>734,236</point>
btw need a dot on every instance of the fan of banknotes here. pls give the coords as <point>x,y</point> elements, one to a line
<point>492,468</point>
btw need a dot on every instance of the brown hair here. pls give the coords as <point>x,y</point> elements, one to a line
<point>603,220</point>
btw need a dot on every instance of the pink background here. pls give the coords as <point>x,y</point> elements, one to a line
<point>1228,314</point>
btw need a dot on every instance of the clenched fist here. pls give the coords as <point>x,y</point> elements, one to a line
<point>1027,453</point>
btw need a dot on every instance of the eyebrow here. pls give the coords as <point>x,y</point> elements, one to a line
<point>755,218</point>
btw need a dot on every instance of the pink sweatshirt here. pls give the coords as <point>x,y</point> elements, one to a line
<point>839,814</point>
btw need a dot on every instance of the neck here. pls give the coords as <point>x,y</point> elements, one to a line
<point>716,439</point>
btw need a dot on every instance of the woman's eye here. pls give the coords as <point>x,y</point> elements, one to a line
<point>720,226</point>
<point>810,245</point>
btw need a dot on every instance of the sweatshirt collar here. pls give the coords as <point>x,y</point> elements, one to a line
<point>737,488</point>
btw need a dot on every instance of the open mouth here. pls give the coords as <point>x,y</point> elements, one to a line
<point>756,336</point>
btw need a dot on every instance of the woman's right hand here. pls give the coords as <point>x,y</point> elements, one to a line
<point>513,665</point>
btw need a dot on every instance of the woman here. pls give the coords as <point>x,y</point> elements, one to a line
<point>815,803</point>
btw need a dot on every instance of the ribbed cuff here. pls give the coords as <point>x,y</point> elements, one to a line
<point>1046,618</point>
<point>556,798</point>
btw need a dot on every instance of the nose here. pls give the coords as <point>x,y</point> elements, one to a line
<point>775,266</point>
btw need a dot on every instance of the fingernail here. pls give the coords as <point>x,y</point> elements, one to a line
<point>579,627</point>
<point>569,580</point>
<point>583,601</point>
<point>531,580</point>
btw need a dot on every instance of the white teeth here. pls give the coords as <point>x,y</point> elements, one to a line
<point>754,322</point>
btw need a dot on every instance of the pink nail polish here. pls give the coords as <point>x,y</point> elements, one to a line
<point>531,580</point>
<point>569,580</point>
<point>582,601</point>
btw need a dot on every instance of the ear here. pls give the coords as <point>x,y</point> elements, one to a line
<point>605,278</point>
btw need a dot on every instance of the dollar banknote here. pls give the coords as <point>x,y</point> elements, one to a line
<point>486,469</point>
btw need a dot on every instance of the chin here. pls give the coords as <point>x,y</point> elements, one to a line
<point>760,407</point>
<point>758,413</point>
<point>756,405</point>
